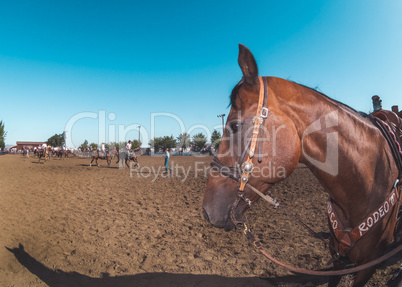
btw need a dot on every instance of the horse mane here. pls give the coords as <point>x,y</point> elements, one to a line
<point>236,89</point>
<point>362,114</point>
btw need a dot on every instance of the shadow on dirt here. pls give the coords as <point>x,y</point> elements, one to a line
<point>97,166</point>
<point>60,278</point>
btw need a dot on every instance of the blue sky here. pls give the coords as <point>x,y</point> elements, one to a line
<point>103,68</point>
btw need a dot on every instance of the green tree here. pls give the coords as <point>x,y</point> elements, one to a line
<point>3,134</point>
<point>122,145</point>
<point>135,144</point>
<point>215,139</point>
<point>162,143</point>
<point>169,142</point>
<point>183,140</point>
<point>94,146</point>
<point>154,143</point>
<point>84,145</point>
<point>199,141</point>
<point>56,140</point>
<point>113,145</point>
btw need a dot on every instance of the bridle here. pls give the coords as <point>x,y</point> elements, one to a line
<point>244,168</point>
<point>241,172</point>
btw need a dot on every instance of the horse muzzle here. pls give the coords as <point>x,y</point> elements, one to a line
<point>224,223</point>
<point>222,209</point>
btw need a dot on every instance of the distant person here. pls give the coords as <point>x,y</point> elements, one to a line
<point>166,156</point>
<point>103,149</point>
<point>128,148</point>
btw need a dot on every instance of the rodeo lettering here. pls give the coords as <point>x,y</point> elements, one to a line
<point>332,216</point>
<point>377,215</point>
<point>369,222</point>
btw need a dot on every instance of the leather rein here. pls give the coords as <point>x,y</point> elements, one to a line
<point>243,169</point>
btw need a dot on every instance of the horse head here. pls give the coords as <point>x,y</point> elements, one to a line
<point>258,132</point>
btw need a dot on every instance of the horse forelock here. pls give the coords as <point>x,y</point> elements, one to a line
<point>235,93</point>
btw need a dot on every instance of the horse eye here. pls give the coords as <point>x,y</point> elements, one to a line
<point>235,127</point>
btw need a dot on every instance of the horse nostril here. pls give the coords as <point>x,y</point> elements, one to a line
<point>205,214</point>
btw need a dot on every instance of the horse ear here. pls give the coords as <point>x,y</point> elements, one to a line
<point>248,65</point>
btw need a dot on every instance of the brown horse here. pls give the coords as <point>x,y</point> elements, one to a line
<point>59,153</point>
<point>43,154</point>
<point>345,151</point>
<point>100,155</point>
<point>66,153</point>
<point>124,158</point>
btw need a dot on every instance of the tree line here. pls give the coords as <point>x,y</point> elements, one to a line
<point>183,141</point>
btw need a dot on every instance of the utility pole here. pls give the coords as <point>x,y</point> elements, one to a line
<point>139,136</point>
<point>64,138</point>
<point>223,122</point>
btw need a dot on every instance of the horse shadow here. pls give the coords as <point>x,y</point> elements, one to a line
<point>38,162</point>
<point>66,279</point>
<point>146,172</point>
<point>98,166</point>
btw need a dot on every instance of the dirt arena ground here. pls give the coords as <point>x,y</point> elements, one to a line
<point>65,223</point>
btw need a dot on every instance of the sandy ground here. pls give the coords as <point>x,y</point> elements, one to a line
<point>65,223</point>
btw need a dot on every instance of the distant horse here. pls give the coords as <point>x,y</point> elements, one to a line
<point>113,154</point>
<point>273,124</point>
<point>101,155</point>
<point>61,152</point>
<point>68,154</point>
<point>124,158</point>
<point>58,153</point>
<point>43,153</point>
<point>25,152</point>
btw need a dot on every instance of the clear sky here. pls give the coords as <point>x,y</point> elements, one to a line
<point>101,68</point>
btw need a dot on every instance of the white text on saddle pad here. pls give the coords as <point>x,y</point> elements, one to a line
<point>377,215</point>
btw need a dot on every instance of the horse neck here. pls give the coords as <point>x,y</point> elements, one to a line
<point>346,153</point>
